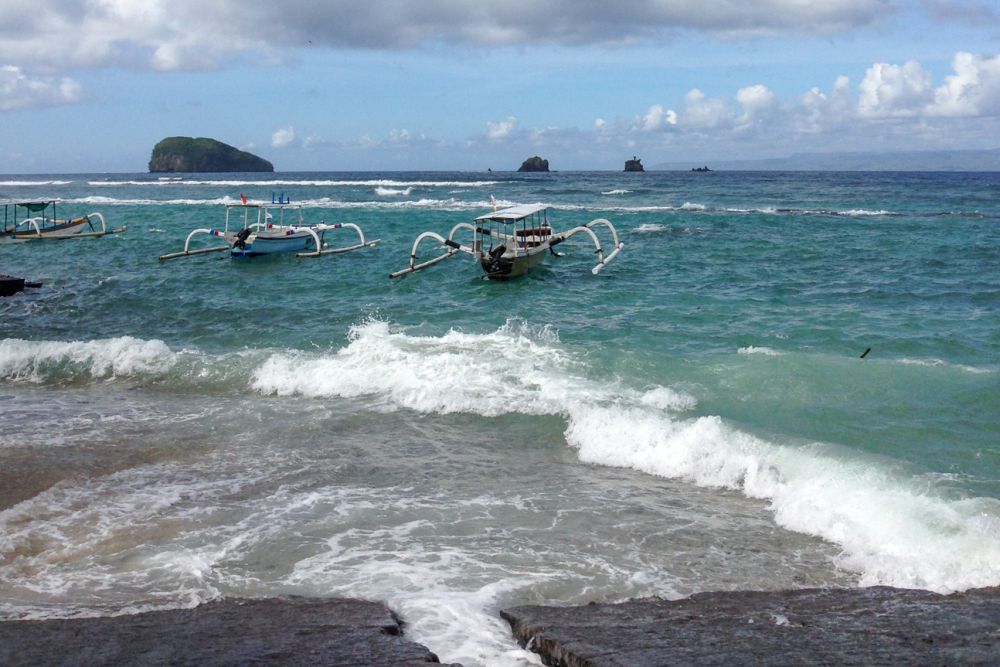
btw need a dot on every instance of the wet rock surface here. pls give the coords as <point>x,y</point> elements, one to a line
<point>275,631</point>
<point>861,626</point>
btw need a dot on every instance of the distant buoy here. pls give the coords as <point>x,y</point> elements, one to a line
<point>865,353</point>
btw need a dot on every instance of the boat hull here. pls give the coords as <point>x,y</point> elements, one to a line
<point>274,244</point>
<point>504,268</point>
<point>55,230</point>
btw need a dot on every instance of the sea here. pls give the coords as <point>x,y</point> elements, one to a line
<point>784,380</point>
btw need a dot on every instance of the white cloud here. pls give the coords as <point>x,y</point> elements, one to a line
<point>818,111</point>
<point>658,118</point>
<point>974,89</point>
<point>283,137</point>
<point>499,130</point>
<point>755,100</point>
<point>895,90</point>
<point>19,91</point>
<point>701,112</point>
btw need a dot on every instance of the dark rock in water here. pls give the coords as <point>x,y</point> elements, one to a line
<point>276,631</point>
<point>635,164</point>
<point>534,164</point>
<point>861,626</point>
<point>187,154</point>
<point>10,285</point>
<point>705,168</point>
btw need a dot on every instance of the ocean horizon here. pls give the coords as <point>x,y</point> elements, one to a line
<point>698,417</point>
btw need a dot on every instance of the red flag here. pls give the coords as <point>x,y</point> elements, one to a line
<point>243,198</point>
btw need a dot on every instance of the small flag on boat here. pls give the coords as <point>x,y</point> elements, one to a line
<point>243,198</point>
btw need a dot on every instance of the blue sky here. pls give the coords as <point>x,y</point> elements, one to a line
<point>91,86</point>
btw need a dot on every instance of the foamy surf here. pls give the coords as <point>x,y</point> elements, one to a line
<point>378,182</point>
<point>45,361</point>
<point>893,529</point>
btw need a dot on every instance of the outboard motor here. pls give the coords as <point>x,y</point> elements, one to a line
<point>494,265</point>
<point>241,238</point>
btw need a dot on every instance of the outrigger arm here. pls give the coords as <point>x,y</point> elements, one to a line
<point>602,261</point>
<point>90,217</point>
<point>201,251</point>
<point>331,251</point>
<point>453,247</point>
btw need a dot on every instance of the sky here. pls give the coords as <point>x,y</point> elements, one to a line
<point>90,86</point>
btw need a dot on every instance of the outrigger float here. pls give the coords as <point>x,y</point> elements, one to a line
<point>510,242</point>
<point>39,220</point>
<point>264,230</point>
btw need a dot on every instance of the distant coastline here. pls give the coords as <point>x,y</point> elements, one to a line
<point>972,160</point>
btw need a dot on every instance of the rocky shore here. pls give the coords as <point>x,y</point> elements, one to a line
<point>856,626</point>
<point>275,631</point>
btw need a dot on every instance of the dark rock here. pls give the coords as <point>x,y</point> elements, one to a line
<point>861,626</point>
<point>10,285</point>
<point>188,154</point>
<point>705,168</point>
<point>275,631</point>
<point>534,164</point>
<point>635,164</point>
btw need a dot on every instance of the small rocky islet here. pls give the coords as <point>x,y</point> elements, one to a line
<point>203,155</point>
<point>534,163</point>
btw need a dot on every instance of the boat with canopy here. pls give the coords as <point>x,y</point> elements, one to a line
<point>252,230</point>
<point>511,241</point>
<point>35,220</point>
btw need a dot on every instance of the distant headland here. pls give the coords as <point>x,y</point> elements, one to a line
<point>189,154</point>
<point>534,164</point>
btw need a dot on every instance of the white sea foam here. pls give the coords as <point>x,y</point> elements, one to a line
<point>380,182</point>
<point>864,213</point>
<point>650,227</point>
<point>393,192</point>
<point>891,528</point>
<point>940,363</point>
<point>34,361</point>
<point>18,184</point>
<point>450,204</point>
<point>689,206</point>
<point>616,192</point>
<point>765,351</point>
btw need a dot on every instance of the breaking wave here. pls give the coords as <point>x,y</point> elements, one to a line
<point>893,528</point>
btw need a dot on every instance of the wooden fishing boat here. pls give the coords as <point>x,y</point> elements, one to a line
<point>35,220</point>
<point>252,230</point>
<point>510,242</point>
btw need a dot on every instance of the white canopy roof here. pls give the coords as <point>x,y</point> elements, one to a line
<point>514,213</point>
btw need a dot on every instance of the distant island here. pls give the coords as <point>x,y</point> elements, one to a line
<point>189,154</point>
<point>534,164</point>
<point>635,164</point>
<point>705,168</point>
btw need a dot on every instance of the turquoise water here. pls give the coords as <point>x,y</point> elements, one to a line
<point>696,417</point>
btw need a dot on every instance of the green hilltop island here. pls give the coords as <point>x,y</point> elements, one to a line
<point>635,164</point>
<point>189,154</point>
<point>534,164</point>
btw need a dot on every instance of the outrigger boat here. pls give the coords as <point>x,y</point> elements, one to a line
<point>510,242</point>
<point>264,230</point>
<point>39,221</point>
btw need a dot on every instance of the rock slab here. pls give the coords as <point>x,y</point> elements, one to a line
<point>273,631</point>
<point>861,626</point>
